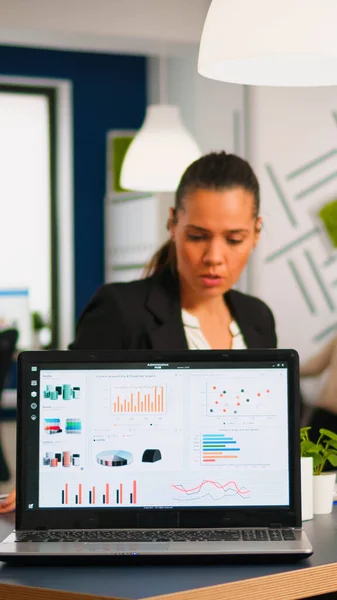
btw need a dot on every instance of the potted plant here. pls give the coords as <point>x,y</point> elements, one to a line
<point>41,331</point>
<point>307,491</point>
<point>321,452</point>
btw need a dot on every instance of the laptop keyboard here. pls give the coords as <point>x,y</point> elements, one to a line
<point>216,535</point>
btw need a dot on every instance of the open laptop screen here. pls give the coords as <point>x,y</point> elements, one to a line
<point>174,434</point>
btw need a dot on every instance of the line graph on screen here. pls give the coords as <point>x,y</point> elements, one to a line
<point>210,489</point>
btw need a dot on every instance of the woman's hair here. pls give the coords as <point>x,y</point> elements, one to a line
<point>214,171</point>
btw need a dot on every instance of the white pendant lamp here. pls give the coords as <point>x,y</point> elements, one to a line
<point>270,42</point>
<point>160,152</point>
<point>162,149</point>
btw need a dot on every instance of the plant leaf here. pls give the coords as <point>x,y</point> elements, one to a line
<point>318,460</point>
<point>304,433</point>
<point>332,458</point>
<point>332,444</point>
<point>308,447</point>
<point>329,434</point>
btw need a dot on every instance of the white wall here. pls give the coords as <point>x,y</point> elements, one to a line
<point>213,111</point>
<point>294,150</point>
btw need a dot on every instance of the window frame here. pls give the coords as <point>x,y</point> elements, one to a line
<point>50,93</point>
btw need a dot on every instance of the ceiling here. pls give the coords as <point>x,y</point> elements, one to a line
<point>154,27</point>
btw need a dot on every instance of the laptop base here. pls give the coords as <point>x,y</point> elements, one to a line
<point>154,552</point>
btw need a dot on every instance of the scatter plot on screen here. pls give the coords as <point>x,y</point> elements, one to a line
<point>229,398</point>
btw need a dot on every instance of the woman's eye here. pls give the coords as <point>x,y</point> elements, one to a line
<point>195,237</point>
<point>234,242</point>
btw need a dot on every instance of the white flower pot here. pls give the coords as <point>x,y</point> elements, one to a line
<point>307,494</point>
<point>324,485</point>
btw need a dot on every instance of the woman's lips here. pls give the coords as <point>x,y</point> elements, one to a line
<point>211,280</point>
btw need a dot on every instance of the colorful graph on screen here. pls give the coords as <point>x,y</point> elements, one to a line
<point>227,399</point>
<point>214,490</point>
<point>142,400</point>
<point>108,494</point>
<point>217,448</point>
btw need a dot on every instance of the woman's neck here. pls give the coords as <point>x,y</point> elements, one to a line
<point>203,306</point>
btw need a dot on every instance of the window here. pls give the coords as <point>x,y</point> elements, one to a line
<point>28,240</point>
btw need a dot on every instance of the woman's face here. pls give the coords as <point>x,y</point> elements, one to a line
<point>214,234</point>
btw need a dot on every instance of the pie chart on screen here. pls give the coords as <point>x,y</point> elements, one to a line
<point>114,458</point>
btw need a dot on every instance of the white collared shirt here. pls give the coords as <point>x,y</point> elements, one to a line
<point>196,339</point>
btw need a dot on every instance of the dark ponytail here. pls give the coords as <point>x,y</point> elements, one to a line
<point>164,258</point>
<point>214,171</point>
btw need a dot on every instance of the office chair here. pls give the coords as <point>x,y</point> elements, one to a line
<point>8,339</point>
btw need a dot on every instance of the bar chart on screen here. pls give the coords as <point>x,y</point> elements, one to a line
<point>141,400</point>
<point>241,448</point>
<point>102,494</point>
<point>217,448</point>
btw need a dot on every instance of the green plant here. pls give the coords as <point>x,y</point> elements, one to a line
<point>37,321</point>
<point>322,451</point>
<point>328,214</point>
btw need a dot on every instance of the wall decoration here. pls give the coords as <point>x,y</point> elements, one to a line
<point>294,151</point>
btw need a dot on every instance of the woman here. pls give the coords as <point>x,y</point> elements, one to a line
<point>187,300</point>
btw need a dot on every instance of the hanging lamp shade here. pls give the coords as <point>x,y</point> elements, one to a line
<point>159,153</point>
<point>270,42</point>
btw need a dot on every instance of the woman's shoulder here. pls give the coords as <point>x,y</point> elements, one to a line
<point>241,300</point>
<point>128,291</point>
<point>253,316</point>
<point>139,290</point>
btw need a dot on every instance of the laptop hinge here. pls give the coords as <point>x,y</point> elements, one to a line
<point>41,529</point>
<point>275,526</point>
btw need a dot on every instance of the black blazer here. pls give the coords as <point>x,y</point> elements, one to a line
<point>146,314</point>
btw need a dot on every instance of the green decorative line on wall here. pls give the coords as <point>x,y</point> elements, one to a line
<point>128,267</point>
<point>127,197</point>
<point>292,245</point>
<point>311,164</point>
<point>334,283</point>
<point>329,261</point>
<point>302,287</point>
<point>281,195</point>
<point>334,114</point>
<point>319,280</point>
<point>316,186</point>
<point>320,336</point>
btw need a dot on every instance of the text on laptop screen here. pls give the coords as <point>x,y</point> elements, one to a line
<point>162,435</point>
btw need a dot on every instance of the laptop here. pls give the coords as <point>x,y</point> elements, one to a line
<point>157,454</point>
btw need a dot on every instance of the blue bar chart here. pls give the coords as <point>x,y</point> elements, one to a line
<point>217,448</point>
